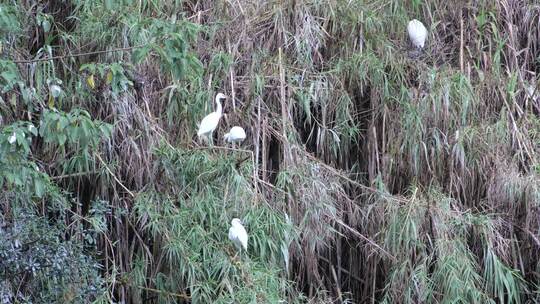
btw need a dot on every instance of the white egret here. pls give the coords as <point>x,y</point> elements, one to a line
<point>238,234</point>
<point>211,121</point>
<point>417,33</point>
<point>235,135</point>
<point>56,90</point>
<point>12,138</point>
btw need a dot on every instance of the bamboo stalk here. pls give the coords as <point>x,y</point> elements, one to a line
<point>114,176</point>
<point>461,44</point>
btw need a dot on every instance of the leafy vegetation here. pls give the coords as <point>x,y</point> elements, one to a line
<point>372,172</point>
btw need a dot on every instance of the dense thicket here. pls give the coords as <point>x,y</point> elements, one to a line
<point>372,173</point>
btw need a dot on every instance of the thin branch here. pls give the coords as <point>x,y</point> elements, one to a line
<point>347,272</point>
<point>73,175</point>
<point>338,287</point>
<point>220,148</point>
<point>114,176</point>
<point>178,295</point>
<point>355,232</point>
<point>343,176</point>
<point>80,54</point>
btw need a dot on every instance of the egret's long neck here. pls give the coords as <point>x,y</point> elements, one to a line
<point>218,106</point>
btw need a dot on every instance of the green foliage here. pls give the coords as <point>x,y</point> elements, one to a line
<point>37,262</point>
<point>9,77</point>
<point>73,128</point>
<point>190,221</point>
<point>9,21</point>
<point>456,276</point>
<point>112,75</point>
<point>38,266</point>
<point>172,43</point>
<point>16,170</point>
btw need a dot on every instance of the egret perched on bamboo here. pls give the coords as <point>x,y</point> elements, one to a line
<point>417,33</point>
<point>238,234</point>
<point>211,121</point>
<point>235,136</point>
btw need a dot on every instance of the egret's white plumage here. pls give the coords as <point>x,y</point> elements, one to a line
<point>56,90</point>
<point>13,138</point>
<point>238,234</point>
<point>211,121</point>
<point>235,135</point>
<point>417,33</point>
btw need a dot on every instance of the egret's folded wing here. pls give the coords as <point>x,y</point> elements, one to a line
<point>232,235</point>
<point>242,236</point>
<point>209,123</point>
